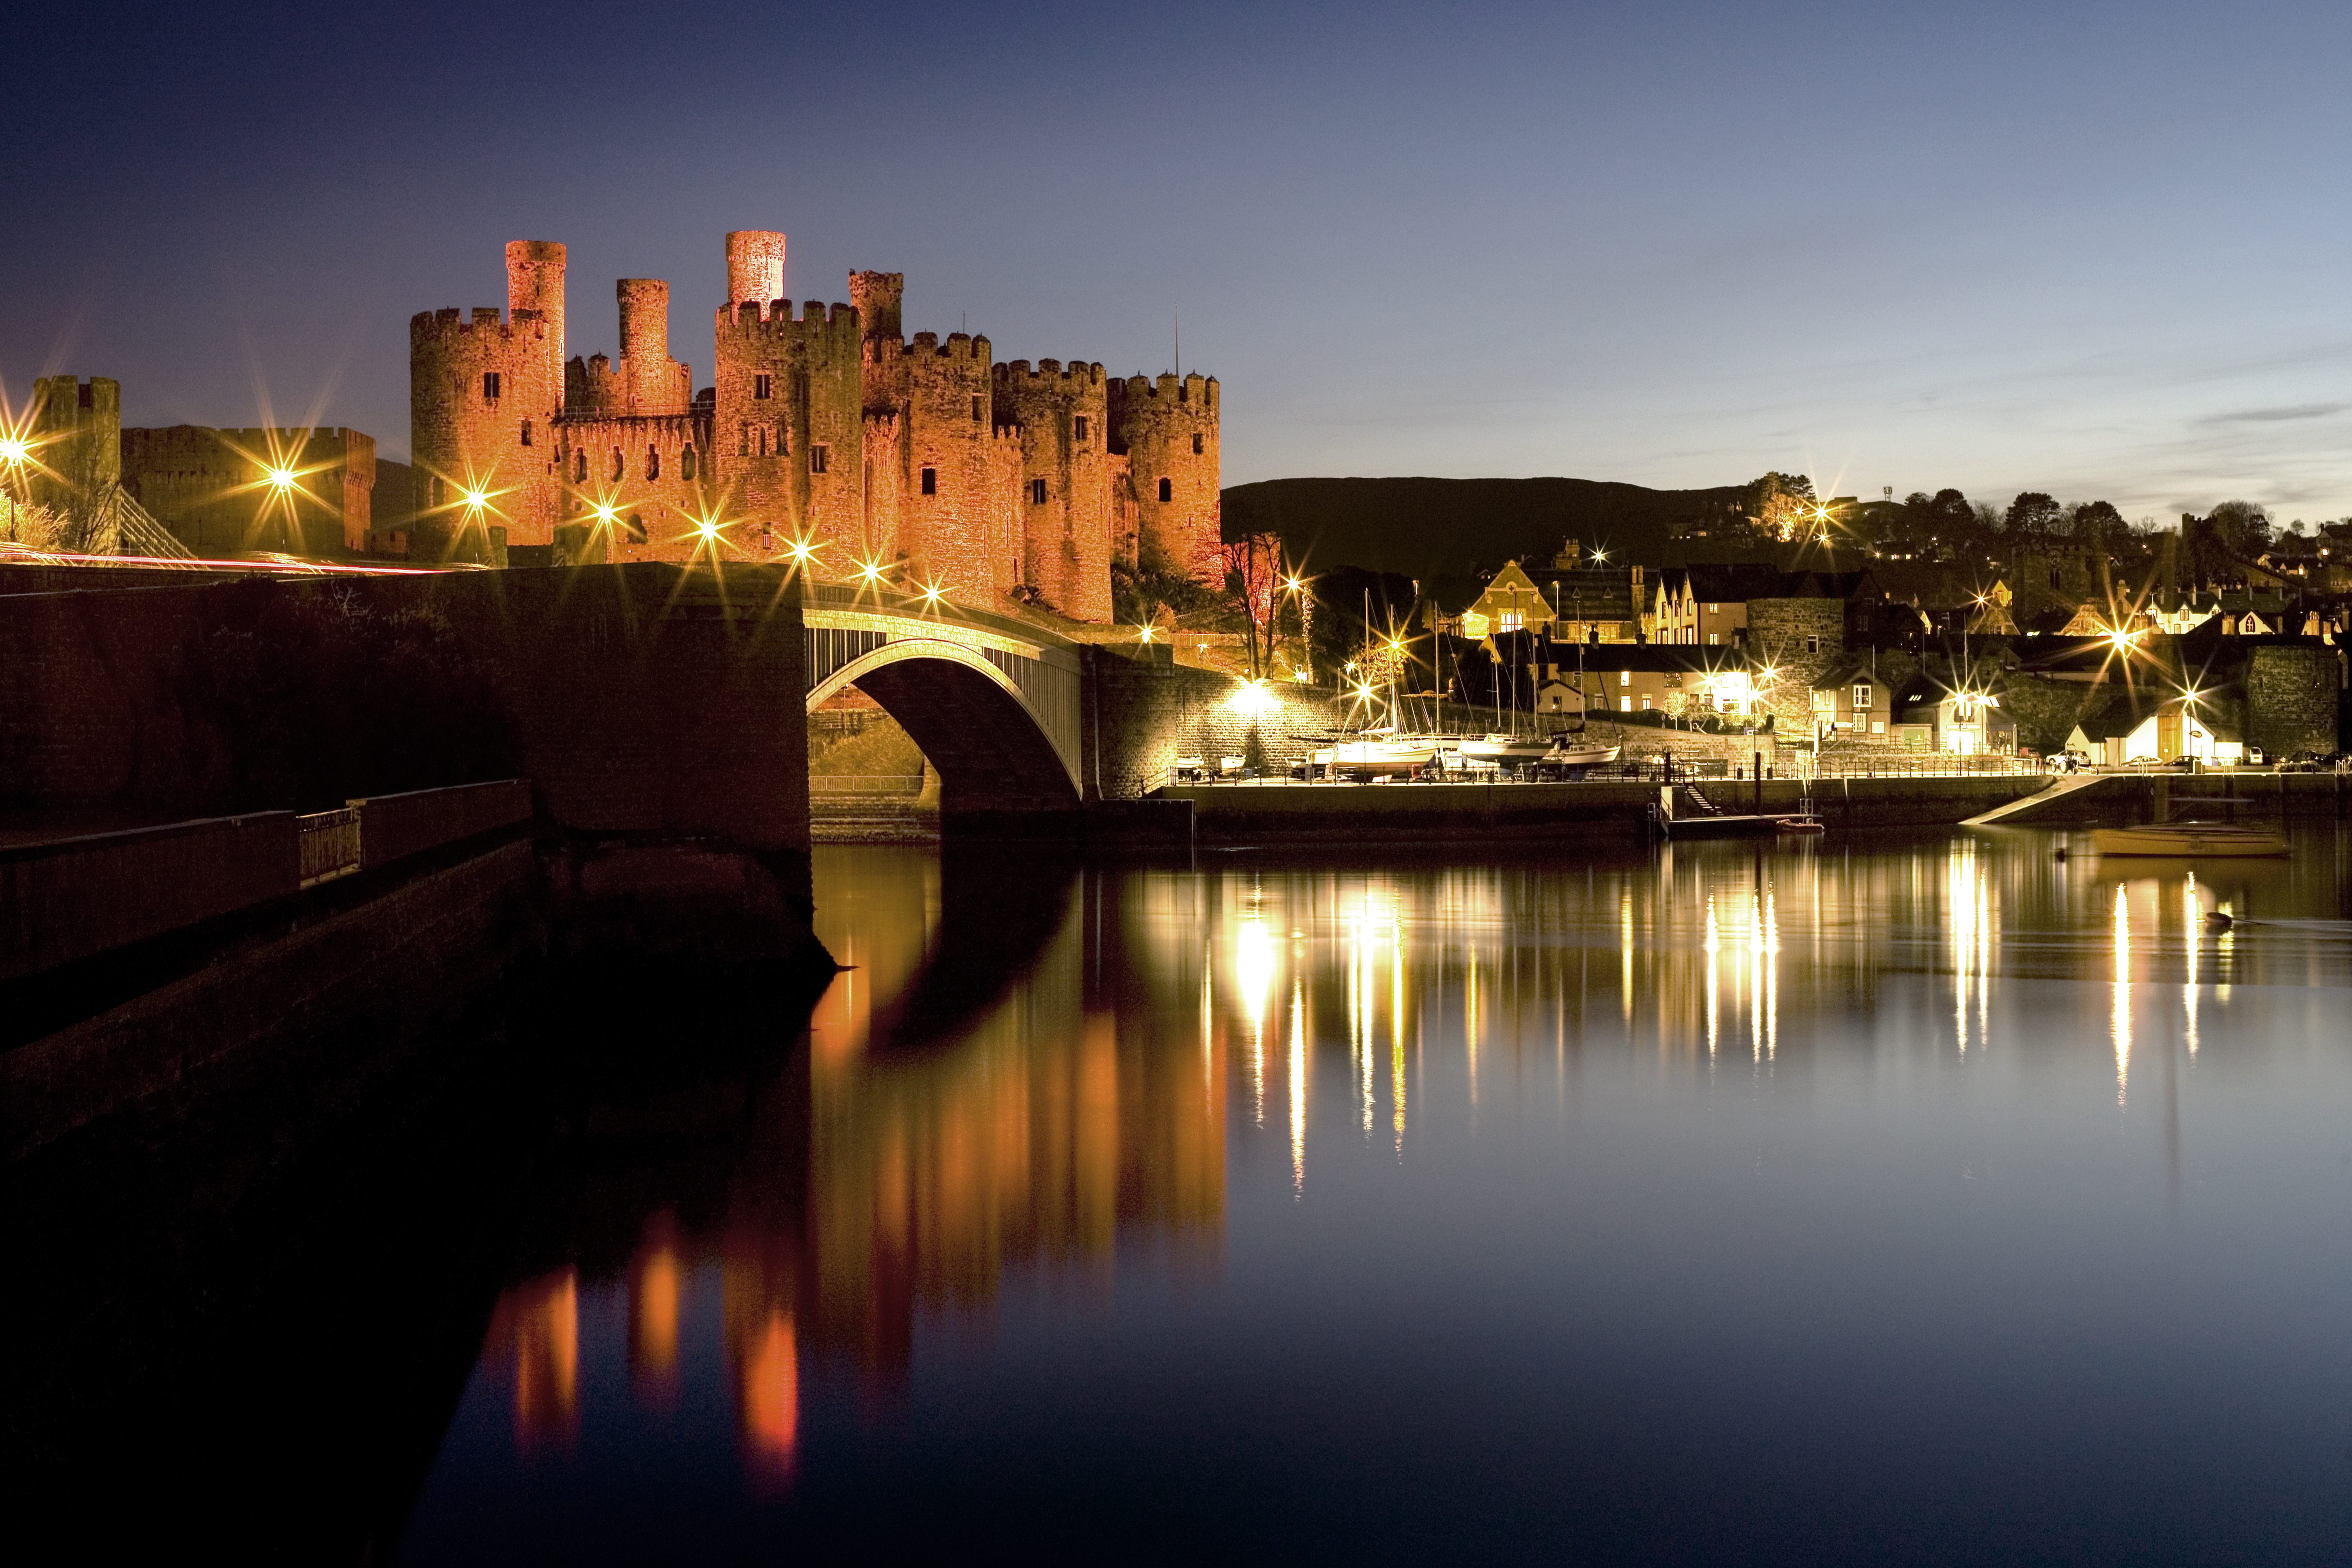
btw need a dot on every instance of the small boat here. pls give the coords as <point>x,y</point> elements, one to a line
<point>1564,755</point>
<point>1805,824</point>
<point>1373,758</point>
<point>1506,750</point>
<point>2203,840</point>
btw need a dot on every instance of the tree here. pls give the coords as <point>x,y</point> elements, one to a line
<point>2096,525</point>
<point>1779,503</point>
<point>2243,528</point>
<point>2031,520</point>
<point>1253,572</point>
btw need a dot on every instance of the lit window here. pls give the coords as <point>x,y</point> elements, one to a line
<point>1624,705</point>
<point>1645,702</point>
<point>526,432</point>
<point>817,455</point>
<point>1167,489</point>
<point>763,387</point>
<point>1713,638</point>
<point>489,386</point>
<point>1037,492</point>
<point>1624,678</point>
<point>1509,621</point>
<point>653,462</point>
<point>930,481</point>
<point>1861,694</point>
<point>1081,428</point>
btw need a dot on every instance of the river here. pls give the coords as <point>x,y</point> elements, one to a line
<point>1931,1199</point>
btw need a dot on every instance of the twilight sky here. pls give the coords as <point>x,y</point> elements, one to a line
<point>2098,249</point>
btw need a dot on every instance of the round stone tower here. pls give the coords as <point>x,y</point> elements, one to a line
<point>1168,431</point>
<point>755,266</point>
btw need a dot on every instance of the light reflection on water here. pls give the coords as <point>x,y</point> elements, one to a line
<point>1822,1148</point>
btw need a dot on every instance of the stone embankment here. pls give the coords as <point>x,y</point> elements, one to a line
<point>1561,814</point>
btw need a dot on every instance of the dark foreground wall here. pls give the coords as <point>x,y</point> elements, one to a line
<point>640,699</point>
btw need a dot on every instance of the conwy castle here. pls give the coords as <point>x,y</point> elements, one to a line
<point>825,431</point>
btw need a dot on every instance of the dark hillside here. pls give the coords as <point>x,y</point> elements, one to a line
<point>1428,528</point>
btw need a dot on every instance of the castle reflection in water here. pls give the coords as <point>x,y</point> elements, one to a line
<point>1067,1113</point>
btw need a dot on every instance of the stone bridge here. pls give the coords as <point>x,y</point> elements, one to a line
<point>996,704</point>
<point>643,701</point>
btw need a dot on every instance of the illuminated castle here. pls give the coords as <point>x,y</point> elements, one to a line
<point>825,431</point>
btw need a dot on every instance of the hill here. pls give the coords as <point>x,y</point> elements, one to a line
<point>1436,528</point>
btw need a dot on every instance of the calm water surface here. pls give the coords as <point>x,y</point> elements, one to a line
<point>1930,1200</point>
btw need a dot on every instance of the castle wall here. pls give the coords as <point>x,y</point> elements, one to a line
<point>210,488</point>
<point>791,446</point>
<point>1167,430</point>
<point>651,472</point>
<point>1063,488</point>
<point>78,425</point>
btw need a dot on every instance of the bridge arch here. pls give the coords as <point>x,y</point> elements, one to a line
<point>995,713</point>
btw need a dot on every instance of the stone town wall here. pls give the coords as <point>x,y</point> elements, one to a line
<point>209,487</point>
<point>1147,713</point>
<point>1802,640</point>
<point>2293,699</point>
<point>78,425</point>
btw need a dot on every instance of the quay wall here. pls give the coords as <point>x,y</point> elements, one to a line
<point>68,899</point>
<point>349,979</point>
<point>1537,812</point>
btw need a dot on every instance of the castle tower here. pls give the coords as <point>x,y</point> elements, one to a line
<point>789,429</point>
<point>1166,429</point>
<point>948,466</point>
<point>482,396</point>
<point>1063,492</point>
<point>876,296</point>
<point>755,266</point>
<point>77,428</point>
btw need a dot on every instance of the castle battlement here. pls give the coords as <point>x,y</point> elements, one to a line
<point>1079,371</point>
<point>959,345</point>
<point>449,324</point>
<point>1195,388</point>
<point>751,318</point>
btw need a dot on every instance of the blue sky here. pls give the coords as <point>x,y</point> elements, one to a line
<point>2100,250</point>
